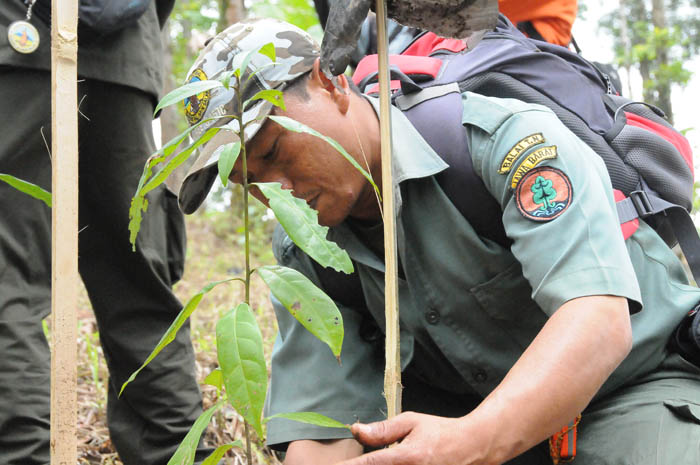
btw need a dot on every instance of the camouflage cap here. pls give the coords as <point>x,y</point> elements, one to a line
<point>296,52</point>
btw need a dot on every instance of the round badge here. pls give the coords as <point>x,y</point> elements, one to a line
<point>23,37</point>
<point>543,194</point>
<point>196,105</point>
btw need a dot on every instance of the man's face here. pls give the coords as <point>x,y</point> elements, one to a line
<point>307,165</point>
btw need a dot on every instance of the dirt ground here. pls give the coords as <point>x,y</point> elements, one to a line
<point>214,253</point>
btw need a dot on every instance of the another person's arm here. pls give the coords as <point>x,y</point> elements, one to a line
<point>321,452</point>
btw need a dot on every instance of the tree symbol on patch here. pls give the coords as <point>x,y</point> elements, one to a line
<point>544,194</point>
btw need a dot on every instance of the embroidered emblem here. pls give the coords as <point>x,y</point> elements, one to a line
<point>518,149</point>
<point>532,160</point>
<point>544,194</point>
<point>196,105</point>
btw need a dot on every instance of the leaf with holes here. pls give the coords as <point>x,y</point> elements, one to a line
<point>307,303</point>
<point>311,418</point>
<point>184,455</point>
<point>301,224</point>
<point>139,203</point>
<point>295,126</point>
<point>239,345</point>
<point>28,188</point>
<point>171,332</point>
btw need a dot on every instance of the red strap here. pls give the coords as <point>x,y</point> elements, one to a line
<point>672,136</point>
<point>408,64</point>
<point>429,43</point>
<point>629,227</point>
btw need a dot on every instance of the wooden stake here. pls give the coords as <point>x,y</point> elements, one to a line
<point>64,273</point>
<point>392,370</point>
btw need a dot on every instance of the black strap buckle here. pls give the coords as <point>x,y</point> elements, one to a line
<point>641,203</point>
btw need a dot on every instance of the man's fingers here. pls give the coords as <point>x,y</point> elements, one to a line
<point>383,433</point>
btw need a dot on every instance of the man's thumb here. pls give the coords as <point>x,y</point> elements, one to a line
<point>385,432</point>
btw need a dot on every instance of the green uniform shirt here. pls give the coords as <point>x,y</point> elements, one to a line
<point>132,56</point>
<point>470,307</point>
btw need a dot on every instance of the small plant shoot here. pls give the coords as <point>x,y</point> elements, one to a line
<point>241,380</point>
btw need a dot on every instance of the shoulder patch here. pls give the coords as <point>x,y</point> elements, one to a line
<point>544,194</point>
<point>196,105</point>
<point>518,149</point>
<point>532,160</point>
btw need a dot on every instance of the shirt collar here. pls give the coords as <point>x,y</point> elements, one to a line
<point>412,156</point>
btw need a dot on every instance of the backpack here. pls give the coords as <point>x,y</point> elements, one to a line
<point>649,162</point>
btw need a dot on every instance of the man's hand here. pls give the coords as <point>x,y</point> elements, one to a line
<point>425,440</point>
<point>551,383</point>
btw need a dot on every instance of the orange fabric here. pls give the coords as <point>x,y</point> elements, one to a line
<point>553,19</point>
<point>562,445</point>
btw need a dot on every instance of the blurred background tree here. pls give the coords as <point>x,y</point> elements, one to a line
<point>657,37</point>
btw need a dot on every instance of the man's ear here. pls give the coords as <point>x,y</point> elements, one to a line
<point>337,86</point>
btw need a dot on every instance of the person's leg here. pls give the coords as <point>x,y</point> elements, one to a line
<point>25,266</point>
<point>655,421</point>
<point>131,291</point>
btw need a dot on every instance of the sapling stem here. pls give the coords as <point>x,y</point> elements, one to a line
<point>244,173</point>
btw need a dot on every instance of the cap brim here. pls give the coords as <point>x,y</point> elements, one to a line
<point>202,174</point>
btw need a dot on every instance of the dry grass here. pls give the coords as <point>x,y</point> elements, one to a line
<point>215,252</point>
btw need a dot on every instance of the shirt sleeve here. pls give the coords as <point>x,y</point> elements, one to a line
<point>557,203</point>
<point>306,377</point>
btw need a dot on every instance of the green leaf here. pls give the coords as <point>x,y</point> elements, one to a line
<point>307,303</point>
<point>139,204</point>
<point>239,345</point>
<point>227,158</point>
<point>301,224</point>
<point>218,454</point>
<point>28,188</point>
<point>269,51</point>
<point>225,78</point>
<point>246,61</point>
<point>311,418</point>
<point>215,378</point>
<point>273,96</point>
<point>171,332</point>
<point>184,455</point>
<point>182,92</point>
<point>292,125</point>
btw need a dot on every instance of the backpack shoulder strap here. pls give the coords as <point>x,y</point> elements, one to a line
<point>436,113</point>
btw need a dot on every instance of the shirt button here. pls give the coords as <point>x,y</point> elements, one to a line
<point>480,376</point>
<point>432,317</point>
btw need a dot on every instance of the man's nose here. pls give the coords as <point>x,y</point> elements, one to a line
<point>277,176</point>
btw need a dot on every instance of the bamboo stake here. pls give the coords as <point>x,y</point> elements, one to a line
<point>64,273</point>
<point>392,370</point>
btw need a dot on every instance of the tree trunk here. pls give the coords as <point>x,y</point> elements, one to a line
<point>626,44</point>
<point>230,12</point>
<point>663,87</point>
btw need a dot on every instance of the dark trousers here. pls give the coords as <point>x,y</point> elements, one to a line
<point>130,292</point>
